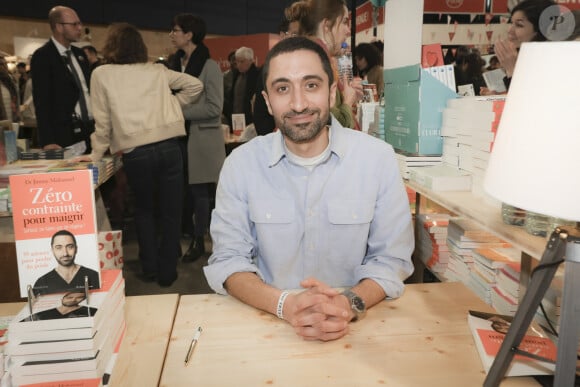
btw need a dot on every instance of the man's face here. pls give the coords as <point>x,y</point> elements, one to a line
<point>243,64</point>
<point>69,26</point>
<point>298,95</point>
<point>64,250</point>
<point>73,299</point>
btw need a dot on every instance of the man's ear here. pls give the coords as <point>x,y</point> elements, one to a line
<point>265,95</point>
<point>332,94</point>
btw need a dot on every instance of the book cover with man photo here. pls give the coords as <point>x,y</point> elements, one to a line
<point>55,230</point>
<point>489,330</point>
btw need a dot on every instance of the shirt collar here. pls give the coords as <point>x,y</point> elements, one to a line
<point>338,144</point>
<point>61,49</point>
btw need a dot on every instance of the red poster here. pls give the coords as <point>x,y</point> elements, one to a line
<point>499,7</point>
<point>570,4</point>
<point>454,6</point>
<point>364,16</point>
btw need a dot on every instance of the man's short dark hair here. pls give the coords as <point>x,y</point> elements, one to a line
<point>63,232</point>
<point>297,43</point>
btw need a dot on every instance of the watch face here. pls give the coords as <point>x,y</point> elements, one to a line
<point>358,304</point>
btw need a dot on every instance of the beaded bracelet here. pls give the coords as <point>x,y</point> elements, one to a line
<point>280,306</point>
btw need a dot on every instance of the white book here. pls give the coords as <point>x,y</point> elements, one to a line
<point>442,178</point>
<point>494,80</point>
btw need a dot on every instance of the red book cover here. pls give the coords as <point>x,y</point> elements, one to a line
<point>55,230</point>
<point>431,55</point>
<point>489,329</point>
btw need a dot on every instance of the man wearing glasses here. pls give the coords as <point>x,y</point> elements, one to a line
<point>61,84</point>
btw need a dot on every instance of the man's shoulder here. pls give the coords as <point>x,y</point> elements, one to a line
<point>360,139</point>
<point>44,50</point>
<point>47,275</point>
<point>84,269</point>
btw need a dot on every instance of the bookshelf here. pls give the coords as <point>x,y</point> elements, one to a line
<point>488,215</point>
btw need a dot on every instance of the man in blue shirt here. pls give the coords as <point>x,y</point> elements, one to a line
<point>313,205</point>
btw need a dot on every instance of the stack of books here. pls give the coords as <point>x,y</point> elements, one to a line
<point>432,242</point>
<point>487,264</point>
<point>68,337</point>
<point>408,162</point>
<point>441,178</point>
<point>102,169</point>
<point>469,127</point>
<point>4,322</point>
<point>505,294</point>
<point>54,154</point>
<point>464,236</point>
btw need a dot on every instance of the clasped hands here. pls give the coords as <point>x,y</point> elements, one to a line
<point>319,312</point>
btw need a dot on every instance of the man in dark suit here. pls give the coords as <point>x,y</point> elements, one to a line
<point>244,83</point>
<point>61,84</point>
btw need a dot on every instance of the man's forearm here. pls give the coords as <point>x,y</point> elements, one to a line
<point>250,289</point>
<point>371,292</point>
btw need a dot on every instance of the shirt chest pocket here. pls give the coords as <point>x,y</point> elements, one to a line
<point>350,211</point>
<point>272,211</point>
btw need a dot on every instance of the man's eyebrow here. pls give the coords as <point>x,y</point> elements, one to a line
<point>305,78</point>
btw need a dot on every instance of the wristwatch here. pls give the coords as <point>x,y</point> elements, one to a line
<point>356,304</point>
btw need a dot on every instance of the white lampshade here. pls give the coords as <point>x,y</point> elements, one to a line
<point>535,162</point>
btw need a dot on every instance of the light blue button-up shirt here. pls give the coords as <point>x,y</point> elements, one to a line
<point>346,220</point>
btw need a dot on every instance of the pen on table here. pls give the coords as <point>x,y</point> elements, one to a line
<point>192,344</point>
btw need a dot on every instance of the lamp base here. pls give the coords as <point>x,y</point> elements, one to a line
<point>561,244</point>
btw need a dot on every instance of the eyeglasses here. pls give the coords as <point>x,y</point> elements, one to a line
<point>75,24</point>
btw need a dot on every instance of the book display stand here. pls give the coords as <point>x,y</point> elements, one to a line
<point>561,245</point>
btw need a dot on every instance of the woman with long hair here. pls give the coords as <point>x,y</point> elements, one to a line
<point>328,23</point>
<point>137,111</point>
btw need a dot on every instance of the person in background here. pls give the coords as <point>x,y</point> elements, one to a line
<point>205,146</point>
<point>327,22</point>
<point>301,214</point>
<point>293,14</point>
<point>61,84</point>
<point>368,61</point>
<point>244,83</point>
<point>137,114</point>
<point>469,70</point>
<point>9,96</point>
<point>229,77</point>
<point>23,76</point>
<point>92,56</point>
<point>525,27</point>
<point>493,63</point>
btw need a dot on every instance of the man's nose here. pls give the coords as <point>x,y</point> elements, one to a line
<point>298,101</point>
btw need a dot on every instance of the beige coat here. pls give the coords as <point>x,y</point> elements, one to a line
<point>134,105</point>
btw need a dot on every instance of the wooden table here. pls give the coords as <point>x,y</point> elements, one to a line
<point>149,322</point>
<point>421,339</point>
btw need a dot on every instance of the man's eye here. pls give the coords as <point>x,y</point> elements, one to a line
<point>311,86</point>
<point>282,89</point>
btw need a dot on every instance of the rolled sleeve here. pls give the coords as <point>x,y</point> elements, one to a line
<point>391,240</point>
<point>233,243</point>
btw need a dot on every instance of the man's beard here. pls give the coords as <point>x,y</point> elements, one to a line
<point>302,133</point>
